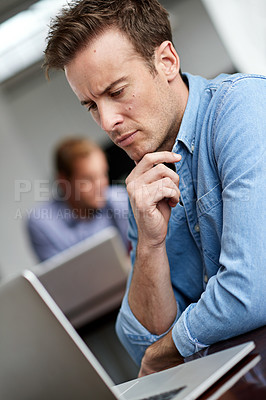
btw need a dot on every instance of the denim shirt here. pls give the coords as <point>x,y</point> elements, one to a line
<point>216,235</point>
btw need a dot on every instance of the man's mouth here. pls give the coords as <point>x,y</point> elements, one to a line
<point>125,140</point>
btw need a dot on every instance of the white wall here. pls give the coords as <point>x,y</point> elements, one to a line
<point>197,42</point>
<point>35,114</point>
<point>15,165</point>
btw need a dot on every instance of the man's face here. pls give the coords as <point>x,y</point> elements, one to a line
<point>136,108</point>
<point>89,181</point>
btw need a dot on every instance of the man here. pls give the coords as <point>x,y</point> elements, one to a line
<point>86,205</point>
<point>198,234</point>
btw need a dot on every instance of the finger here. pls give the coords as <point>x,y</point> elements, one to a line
<point>158,172</point>
<point>172,194</point>
<point>149,195</point>
<point>155,174</point>
<point>151,159</point>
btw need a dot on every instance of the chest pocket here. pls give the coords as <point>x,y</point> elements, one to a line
<point>178,214</point>
<point>210,216</point>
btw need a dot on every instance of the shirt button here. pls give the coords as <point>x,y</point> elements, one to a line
<point>192,148</point>
<point>197,228</point>
<point>206,278</point>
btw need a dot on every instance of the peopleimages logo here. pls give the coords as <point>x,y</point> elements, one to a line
<point>40,188</point>
<point>60,189</point>
<point>43,190</point>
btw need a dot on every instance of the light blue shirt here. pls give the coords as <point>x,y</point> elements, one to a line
<point>216,241</point>
<point>54,226</point>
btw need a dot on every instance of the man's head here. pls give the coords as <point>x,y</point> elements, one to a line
<point>82,171</point>
<point>120,62</point>
<point>144,22</point>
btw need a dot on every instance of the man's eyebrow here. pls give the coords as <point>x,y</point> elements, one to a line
<point>107,89</point>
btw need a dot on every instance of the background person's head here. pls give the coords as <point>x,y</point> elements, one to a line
<point>82,173</point>
<point>144,22</point>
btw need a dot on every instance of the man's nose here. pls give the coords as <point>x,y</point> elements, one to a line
<point>110,116</point>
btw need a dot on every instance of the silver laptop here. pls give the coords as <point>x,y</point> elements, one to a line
<point>87,280</point>
<point>42,356</point>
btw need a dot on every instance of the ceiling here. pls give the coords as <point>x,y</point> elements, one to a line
<point>23,32</point>
<point>243,30</point>
<point>9,8</point>
<point>241,25</point>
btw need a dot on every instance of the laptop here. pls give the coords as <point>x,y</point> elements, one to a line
<point>87,280</point>
<point>42,356</point>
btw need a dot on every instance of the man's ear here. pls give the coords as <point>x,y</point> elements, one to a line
<point>167,60</point>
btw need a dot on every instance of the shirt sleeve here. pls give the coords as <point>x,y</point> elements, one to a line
<point>234,300</point>
<point>43,247</point>
<point>118,200</point>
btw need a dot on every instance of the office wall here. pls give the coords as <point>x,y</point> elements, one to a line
<point>15,164</point>
<point>35,114</point>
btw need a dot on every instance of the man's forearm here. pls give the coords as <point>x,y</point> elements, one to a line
<point>151,297</point>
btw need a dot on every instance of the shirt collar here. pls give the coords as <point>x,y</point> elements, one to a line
<point>187,130</point>
<point>68,214</point>
<point>65,212</point>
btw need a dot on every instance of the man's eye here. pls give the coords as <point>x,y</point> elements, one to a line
<point>92,107</point>
<point>117,93</point>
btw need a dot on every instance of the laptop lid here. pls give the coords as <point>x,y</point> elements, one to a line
<point>87,280</point>
<point>43,357</point>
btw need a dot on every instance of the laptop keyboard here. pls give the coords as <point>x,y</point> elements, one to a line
<point>166,395</point>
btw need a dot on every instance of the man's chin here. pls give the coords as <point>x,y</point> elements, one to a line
<point>135,155</point>
<point>100,204</point>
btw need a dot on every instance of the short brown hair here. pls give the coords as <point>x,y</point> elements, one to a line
<point>144,22</point>
<point>71,149</point>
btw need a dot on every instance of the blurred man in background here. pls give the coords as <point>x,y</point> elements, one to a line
<point>86,204</point>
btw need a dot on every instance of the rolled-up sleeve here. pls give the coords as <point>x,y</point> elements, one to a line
<point>132,334</point>
<point>234,300</point>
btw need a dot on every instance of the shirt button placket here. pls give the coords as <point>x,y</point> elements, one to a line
<point>197,228</point>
